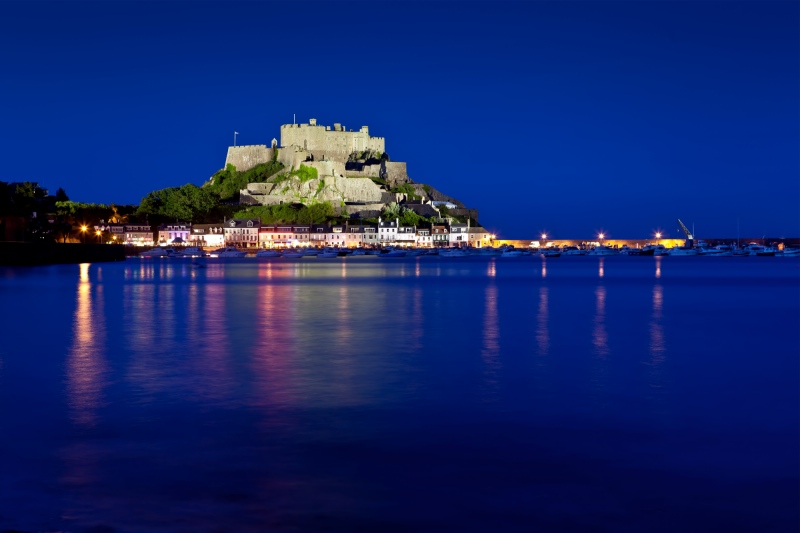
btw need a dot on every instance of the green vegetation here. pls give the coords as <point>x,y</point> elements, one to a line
<point>380,181</point>
<point>289,213</point>
<point>188,203</point>
<point>227,183</point>
<point>427,190</point>
<point>305,173</point>
<point>406,189</point>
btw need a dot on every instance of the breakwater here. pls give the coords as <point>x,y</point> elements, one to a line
<point>638,243</point>
<point>50,253</point>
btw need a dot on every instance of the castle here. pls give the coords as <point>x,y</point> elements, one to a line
<point>322,139</point>
<point>354,172</point>
<point>319,142</point>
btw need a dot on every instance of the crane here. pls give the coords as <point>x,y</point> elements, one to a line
<point>689,236</point>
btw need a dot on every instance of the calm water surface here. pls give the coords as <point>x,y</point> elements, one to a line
<point>616,394</point>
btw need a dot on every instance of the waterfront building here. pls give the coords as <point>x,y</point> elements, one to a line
<point>242,232</point>
<point>317,235</point>
<point>424,237</point>
<point>207,236</point>
<point>139,235</point>
<point>406,236</point>
<point>387,231</point>
<point>177,233</point>
<point>441,235</point>
<point>459,235</point>
<point>283,236</point>
<point>479,237</point>
<point>116,232</point>
<point>354,236</point>
<point>335,236</point>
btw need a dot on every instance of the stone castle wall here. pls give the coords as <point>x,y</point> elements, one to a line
<point>246,157</point>
<point>324,138</point>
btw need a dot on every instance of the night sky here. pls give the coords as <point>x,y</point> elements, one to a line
<point>568,117</point>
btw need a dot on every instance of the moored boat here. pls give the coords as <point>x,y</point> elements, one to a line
<point>268,253</point>
<point>159,252</point>
<point>602,251</point>
<point>228,251</point>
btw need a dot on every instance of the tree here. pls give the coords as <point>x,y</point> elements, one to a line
<point>61,196</point>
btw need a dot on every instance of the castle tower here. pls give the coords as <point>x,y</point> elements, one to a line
<point>317,138</point>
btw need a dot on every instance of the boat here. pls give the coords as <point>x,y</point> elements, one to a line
<point>328,253</point>
<point>512,253</point>
<point>268,253</point>
<point>551,253</point>
<point>160,252</point>
<point>760,250</point>
<point>414,253</point>
<point>192,251</point>
<point>358,251</point>
<point>453,252</point>
<point>602,251</point>
<point>292,254</point>
<point>374,251</point>
<point>573,250</point>
<point>721,250</point>
<point>393,253</point>
<point>791,252</point>
<point>679,251</point>
<point>228,251</point>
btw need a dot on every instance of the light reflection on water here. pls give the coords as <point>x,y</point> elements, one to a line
<point>491,338</point>
<point>599,334</point>
<point>542,331</point>
<point>87,367</point>
<point>248,393</point>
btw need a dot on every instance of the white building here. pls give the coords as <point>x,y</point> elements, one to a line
<point>406,236</point>
<point>207,236</point>
<point>459,235</point>
<point>177,233</point>
<point>242,232</point>
<point>387,231</point>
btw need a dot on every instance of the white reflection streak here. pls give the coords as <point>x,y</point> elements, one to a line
<point>658,266</point>
<point>213,365</point>
<point>416,320</point>
<point>657,344</point>
<point>600,337</point>
<point>544,267</point>
<point>491,269</point>
<point>542,331</point>
<point>491,335</point>
<point>270,357</point>
<point>86,366</point>
<point>601,271</point>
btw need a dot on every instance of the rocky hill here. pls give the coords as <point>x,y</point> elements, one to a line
<point>361,184</point>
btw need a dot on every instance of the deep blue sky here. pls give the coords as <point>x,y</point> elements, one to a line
<point>569,117</point>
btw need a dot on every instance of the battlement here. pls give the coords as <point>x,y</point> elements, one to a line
<point>247,156</point>
<point>317,137</point>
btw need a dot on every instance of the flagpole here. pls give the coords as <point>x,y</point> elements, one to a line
<point>234,137</point>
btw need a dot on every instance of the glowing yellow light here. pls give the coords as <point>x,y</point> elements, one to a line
<point>84,228</point>
<point>601,236</point>
<point>544,236</point>
<point>658,235</point>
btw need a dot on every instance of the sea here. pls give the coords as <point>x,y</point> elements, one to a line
<point>361,394</point>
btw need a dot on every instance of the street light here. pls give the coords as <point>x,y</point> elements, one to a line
<point>658,237</point>
<point>98,233</point>
<point>83,234</point>
<point>601,237</point>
